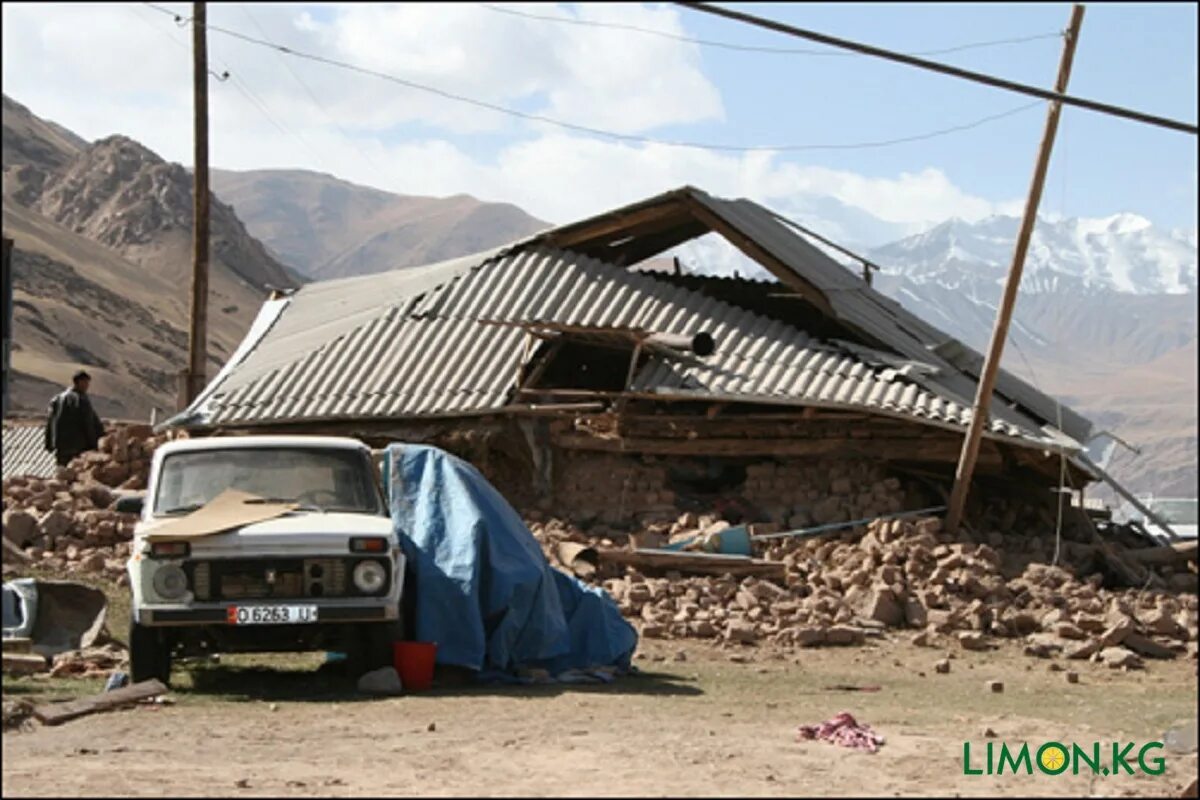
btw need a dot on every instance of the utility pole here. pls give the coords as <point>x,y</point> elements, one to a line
<point>987,380</point>
<point>198,335</point>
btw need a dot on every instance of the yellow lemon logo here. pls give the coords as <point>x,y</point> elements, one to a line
<point>1053,758</point>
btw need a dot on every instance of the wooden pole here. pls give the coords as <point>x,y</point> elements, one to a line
<point>987,380</point>
<point>198,337</point>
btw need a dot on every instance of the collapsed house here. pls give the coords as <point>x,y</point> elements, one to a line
<point>551,361</point>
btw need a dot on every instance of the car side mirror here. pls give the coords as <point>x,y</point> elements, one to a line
<point>130,504</point>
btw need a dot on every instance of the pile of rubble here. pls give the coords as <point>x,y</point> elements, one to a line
<point>904,574</point>
<point>91,662</point>
<point>67,523</point>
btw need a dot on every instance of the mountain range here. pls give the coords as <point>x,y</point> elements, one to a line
<point>1106,319</point>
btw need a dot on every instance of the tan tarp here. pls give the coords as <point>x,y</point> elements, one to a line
<point>229,509</point>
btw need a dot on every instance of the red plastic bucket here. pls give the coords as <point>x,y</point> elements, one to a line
<point>414,661</point>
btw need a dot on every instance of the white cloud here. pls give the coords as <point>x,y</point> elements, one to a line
<point>100,69</point>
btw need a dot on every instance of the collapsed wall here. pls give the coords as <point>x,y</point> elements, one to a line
<point>67,523</point>
<point>620,488</point>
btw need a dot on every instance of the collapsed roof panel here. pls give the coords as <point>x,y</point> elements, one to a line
<point>441,353</point>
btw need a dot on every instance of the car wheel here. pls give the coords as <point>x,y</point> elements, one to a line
<point>149,654</point>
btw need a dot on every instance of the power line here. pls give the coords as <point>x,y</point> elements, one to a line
<point>312,95</point>
<point>945,69</point>
<point>627,137</point>
<point>748,47</point>
<point>240,85</point>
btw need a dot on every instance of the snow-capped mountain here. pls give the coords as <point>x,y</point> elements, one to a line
<point>1122,253</point>
<point>1106,318</point>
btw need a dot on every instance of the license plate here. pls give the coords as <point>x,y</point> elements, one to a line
<point>270,615</point>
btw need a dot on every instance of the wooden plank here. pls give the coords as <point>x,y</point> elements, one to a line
<point>616,225</point>
<point>755,251</point>
<point>23,663</point>
<point>58,713</point>
<point>706,563</point>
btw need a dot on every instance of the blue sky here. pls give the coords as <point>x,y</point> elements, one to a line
<point>1139,55</point>
<point>112,68</point>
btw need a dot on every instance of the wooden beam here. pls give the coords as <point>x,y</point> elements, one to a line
<point>987,381</point>
<point>755,251</point>
<point>58,713</point>
<point>705,563</point>
<point>615,225</point>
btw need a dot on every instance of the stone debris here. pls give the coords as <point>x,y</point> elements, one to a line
<point>842,588</point>
<point>67,524</point>
<point>996,687</point>
<point>1119,658</point>
<point>942,667</point>
<point>384,680</point>
<point>1072,676</point>
<point>91,662</point>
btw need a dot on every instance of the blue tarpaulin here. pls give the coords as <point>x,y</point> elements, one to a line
<point>484,590</point>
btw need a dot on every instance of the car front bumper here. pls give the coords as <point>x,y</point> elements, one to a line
<point>163,616</point>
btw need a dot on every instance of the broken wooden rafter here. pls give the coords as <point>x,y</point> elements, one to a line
<point>705,563</point>
<point>58,713</point>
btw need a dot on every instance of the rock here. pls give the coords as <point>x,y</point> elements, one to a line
<point>1147,647</point>
<point>808,636</point>
<point>54,524</point>
<point>921,639</point>
<point>1116,633</point>
<point>93,563</point>
<point>20,527</point>
<point>973,641</point>
<point>915,613</point>
<point>1072,676</point>
<point>996,687</point>
<point>432,727</point>
<point>1118,657</point>
<point>881,606</point>
<point>844,635</point>
<point>384,680</point>
<point>1084,649</point>
<point>1042,645</point>
<point>1069,630</point>
<point>942,667</point>
<point>988,733</point>
<point>742,632</point>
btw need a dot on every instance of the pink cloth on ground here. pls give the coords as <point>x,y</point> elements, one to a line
<point>844,730</point>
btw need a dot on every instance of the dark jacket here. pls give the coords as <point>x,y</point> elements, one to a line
<point>72,425</point>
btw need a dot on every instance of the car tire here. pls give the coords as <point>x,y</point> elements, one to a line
<point>149,654</point>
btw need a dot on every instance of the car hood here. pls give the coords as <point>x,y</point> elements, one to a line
<point>295,533</point>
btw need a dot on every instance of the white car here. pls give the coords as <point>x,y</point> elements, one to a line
<point>328,575</point>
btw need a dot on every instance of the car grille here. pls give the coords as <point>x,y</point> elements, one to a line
<point>268,579</point>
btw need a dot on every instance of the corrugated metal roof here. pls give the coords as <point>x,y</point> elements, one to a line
<point>433,353</point>
<point>25,453</point>
<point>851,300</point>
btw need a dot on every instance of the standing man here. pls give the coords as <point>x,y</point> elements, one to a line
<point>72,426</point>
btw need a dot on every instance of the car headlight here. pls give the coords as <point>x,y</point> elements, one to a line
<point>170,582</point>
<point>370,577</point>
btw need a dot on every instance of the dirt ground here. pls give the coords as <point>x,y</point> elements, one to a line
<point>702,725</point>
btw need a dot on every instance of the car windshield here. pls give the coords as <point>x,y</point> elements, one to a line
<point>1175,512</point>
<point>322,478</point>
